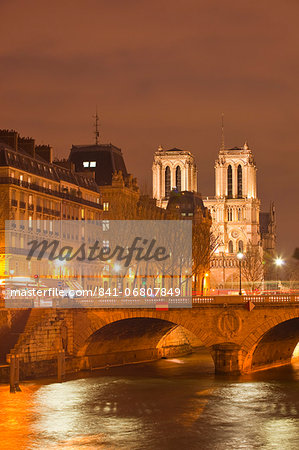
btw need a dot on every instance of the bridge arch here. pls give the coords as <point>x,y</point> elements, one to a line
<point>131,336</point>
<point>272,343</point>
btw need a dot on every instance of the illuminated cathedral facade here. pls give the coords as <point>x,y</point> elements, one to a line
<point>173,169</point>
<point>235,211</point>
<point>238,226</point>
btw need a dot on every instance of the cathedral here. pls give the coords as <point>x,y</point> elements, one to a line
<point>173,169</point>
<point>238,225</point>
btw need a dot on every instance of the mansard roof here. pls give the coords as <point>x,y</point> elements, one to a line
<point>21,160</point>
<point>109,159</point>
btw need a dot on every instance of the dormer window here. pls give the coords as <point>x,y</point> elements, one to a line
<point>89,163</point>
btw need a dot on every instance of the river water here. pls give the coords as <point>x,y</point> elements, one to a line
<point>168,404</point>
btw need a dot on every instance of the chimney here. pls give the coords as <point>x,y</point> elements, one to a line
<point>10,137</point>
<point>45,152</point>
<point>28,145</point>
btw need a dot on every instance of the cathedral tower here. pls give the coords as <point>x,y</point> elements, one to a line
<point>235,173</point>
<point>173,169</point>
<point>235,211</point>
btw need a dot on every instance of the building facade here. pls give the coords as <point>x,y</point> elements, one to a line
<point>173,169</point>
<point>35,192</point>
<point>119,190</point>
<point>175,189</point>
<point>238,226</point>
<point>189,206</point>
<point>235,211</point>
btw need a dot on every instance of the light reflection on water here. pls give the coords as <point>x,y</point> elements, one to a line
<point>169,404</point>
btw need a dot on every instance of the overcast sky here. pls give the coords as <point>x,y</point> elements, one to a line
<point>161,72</point>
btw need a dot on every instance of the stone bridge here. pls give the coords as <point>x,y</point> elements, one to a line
<point>242,334</point>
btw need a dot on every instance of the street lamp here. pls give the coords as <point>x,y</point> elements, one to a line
<point>117,268</point>
<point>240,256</point>
<point>60,264</point>
<point>278,262</point>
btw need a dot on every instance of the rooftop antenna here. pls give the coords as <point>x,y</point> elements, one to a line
<point>222,131</point>
<point>96,127</point>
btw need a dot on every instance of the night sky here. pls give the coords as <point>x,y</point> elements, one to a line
<point>161,72</point>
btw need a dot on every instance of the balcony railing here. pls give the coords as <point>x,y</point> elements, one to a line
<point>62,195</point>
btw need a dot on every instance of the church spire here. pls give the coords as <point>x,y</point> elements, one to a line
<point>96,127</point>
<point>222,131</point>
<point>246,146</point>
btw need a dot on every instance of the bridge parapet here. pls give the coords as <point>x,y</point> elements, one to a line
<point>243,299</point>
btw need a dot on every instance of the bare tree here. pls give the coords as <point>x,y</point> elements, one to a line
<point>253,267</point>
<point>292,273</point>
<point>204,245</point>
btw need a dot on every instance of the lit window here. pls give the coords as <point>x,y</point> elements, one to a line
<point>85,163</point>
<point>92,164</point>
<point>105,206</point>
<point>82,213</point>
<point>105,224</point>
<point>106,246</point>
<point>30,223</point>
